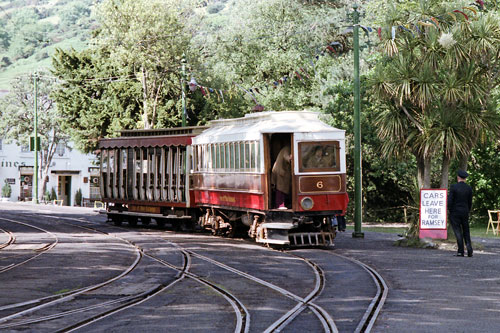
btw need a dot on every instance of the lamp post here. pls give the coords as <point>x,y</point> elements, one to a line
<point>35,134</point>
<point>357,132</point>
<point>183,61</point>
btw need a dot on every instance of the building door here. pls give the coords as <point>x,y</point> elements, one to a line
<point>64,189</point>
<point>26,183</point>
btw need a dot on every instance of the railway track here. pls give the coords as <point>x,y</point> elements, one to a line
<point>45,247</point>
<point>11,239</point>
<point>242,315</point>
<point>377,303</point>
<point>327,322</point>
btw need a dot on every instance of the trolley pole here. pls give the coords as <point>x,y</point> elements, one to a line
<point>35,133</point>
<point>183,93</point>
<point>357,132</point>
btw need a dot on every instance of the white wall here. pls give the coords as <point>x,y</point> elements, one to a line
<point>70,162</point>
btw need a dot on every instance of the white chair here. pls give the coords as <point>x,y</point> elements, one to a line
<point>494,219</point>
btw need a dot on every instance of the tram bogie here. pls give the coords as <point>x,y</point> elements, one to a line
<point>221,178</point>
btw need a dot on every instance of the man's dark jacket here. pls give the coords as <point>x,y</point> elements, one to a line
<point>460,198</point>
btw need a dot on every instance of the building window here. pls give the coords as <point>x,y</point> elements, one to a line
<point>60,149</point>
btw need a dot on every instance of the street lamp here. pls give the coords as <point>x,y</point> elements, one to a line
<point>357,132</point>
<point>35,132</point>
<point>183,61</point>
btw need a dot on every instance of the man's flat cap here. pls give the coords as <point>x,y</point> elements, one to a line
<point>462,174</point>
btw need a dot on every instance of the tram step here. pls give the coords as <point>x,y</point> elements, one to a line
<point>311,239</point>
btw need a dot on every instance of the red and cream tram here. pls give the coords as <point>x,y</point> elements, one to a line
<point>220,177</point>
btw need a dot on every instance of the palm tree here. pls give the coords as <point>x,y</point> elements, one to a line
<point>436,87</point>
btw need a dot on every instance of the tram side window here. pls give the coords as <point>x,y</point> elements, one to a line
<point>253,159</point>
<point>242,156</point>
<point>231,156</point>
<point>257,145</point>
<point>247,156</point>
<point>199,158</point>
<point>217,156</point>
<point>206,157</point>
<point>222,156</point>
<point>236,156</point>
<point>319,156</point>
<point>228,156</point>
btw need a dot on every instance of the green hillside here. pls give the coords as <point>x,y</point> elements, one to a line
<point>31,30</point>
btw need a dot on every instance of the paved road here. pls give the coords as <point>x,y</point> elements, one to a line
<point>429,290</point>
<point>199,283</point>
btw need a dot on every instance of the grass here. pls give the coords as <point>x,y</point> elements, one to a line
<point>29,65</point>
<point>475,230</point>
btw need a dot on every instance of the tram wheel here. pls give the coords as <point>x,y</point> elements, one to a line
<point>117,220</point>
<point>132,221</point>
<point>160,223</point>
<point>145,220</point>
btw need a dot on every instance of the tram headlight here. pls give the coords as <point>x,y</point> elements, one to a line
<point>307,203</point>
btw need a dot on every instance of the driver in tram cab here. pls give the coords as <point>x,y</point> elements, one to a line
<point>281,178</point>
<point>317,159</point>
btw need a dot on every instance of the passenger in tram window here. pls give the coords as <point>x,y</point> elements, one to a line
<point>330,157</point>
<point>317,159</point>
<point>282,177</point>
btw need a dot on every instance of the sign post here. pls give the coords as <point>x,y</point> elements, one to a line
<point>433,209</point>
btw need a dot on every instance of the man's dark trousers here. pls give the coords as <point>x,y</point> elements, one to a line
<point>460,224</point>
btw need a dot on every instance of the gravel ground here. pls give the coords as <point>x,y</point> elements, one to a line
<point>431,290</point>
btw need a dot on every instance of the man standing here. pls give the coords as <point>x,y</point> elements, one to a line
<point>459,206</point>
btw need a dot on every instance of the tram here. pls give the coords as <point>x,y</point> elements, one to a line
<point>221,177</point>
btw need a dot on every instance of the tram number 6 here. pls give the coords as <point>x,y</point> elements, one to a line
<point>320,184</point>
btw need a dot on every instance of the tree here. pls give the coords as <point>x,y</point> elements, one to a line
<point>95,97</point>
<point>130,75</point>
<point>434,85</point>
<point>274,46</point>
<point>24,33</point>
<point>17,118</point>
<point>149,37</point>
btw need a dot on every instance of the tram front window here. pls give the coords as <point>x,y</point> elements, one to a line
<point>319,156</point>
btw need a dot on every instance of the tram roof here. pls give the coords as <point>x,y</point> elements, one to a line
<point>179,136</point>
<point>253,125</point>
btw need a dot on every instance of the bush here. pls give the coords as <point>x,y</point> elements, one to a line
<point>46,196</point>
<point>6,190</point>
<point>78,197</point>
<point>53,194</point>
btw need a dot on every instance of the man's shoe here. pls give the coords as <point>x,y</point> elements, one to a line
<point>469,254</point>
<point>459,255</point>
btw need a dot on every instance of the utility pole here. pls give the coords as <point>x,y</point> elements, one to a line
<point>35,133</point>
<point>358,197</point>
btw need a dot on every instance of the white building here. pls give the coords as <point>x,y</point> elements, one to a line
<point>69,171</point>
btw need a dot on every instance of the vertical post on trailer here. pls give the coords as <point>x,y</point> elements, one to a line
<point>357,132</point>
